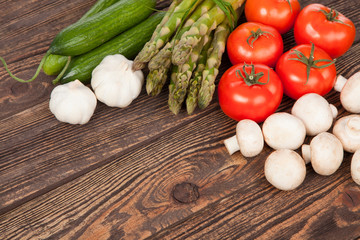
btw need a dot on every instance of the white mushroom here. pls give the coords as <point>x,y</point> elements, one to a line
<point>315,112</point>
<point>355,167</point>
<point>325,153</point>
<point>285,169</point>
<point>347,129</point>
<point>349,92</point>
<point>248,139</point>
<point>284,131</point>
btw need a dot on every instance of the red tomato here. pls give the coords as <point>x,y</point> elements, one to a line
<point>280,14</point>
<point>254,43</point>
<point>294,76</point>
<point>256,98</point>
<point>326,28</point>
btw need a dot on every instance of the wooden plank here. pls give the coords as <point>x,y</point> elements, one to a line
<point>131,197</point>
<point>116,176</point>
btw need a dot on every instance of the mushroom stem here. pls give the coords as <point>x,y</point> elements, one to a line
<point>340,83</point>
<point>232,144</point>
<point>353,126</point>
<point>306,153</point>
<point>334,110</point>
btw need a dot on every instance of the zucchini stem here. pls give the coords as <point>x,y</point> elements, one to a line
<point>57,79</point>
<point>23,80</point>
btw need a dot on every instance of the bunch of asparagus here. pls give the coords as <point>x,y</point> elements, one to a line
<point>188,45</point>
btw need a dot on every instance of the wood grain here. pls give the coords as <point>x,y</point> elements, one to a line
<point>141,172</point>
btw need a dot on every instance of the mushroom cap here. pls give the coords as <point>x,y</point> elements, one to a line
<point>326,153</point>
<point>315,112</point>
<point>284,131</point>
<point>249,137</point>
<point>285,169</point>
<point>350,94</point>
<point>347,130</point>
<point>355,167</point>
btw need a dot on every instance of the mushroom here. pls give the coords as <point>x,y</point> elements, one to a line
<point>325,153</point>
<point>347,129</point>
<point>285,169</point>
<point>315,112</point>
<point>355,167</point>
<point>349,92</point>
<point>284,131</point>
<point>248,139</point>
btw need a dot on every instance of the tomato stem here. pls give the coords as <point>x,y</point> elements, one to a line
<point>252,78</point>
<point>290,5</point>
<point>332,16</point>
<point>310,62</point>
<point>256,35</point>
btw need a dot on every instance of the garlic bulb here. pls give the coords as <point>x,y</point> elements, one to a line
<point>72,103</point>
<point>115,83</point>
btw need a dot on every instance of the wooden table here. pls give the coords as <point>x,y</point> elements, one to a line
<point>142,172</point>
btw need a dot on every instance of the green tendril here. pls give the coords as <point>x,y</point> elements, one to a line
<point>228,10</point>
<point>252,78</point>
<point>23,80</point>
<point>57,79</point>
<point>310,62</point>
<point>256,35</point>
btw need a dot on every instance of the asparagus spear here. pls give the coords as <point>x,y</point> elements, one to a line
<point>183,77</point>
<point>160,63</point>
<point>212,64</point>
<point>175,105</point>
<point>163,33</point>
<point>203,25</point>
<point>195,81</point>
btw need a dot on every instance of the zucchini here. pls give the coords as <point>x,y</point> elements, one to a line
<point>128,43</point>
<point>55,63</point>
<point>91,32</point>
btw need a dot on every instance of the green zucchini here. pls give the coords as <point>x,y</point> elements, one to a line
<point>93,31</point>
<point>55,63</point>
<point>128,43</point>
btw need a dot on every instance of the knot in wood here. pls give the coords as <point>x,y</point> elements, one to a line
<point>185,192</point>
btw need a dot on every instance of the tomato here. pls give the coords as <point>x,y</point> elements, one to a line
<point>249,92</point>
<point>326,28</point>
<point>301,74</point>
<point>254,43</point>
<point>280,14</point>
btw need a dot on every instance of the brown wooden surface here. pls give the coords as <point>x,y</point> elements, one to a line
<point>118,177</point>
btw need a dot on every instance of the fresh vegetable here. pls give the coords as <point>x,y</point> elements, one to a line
<point>285,169</point>
<point>315,112</point>
<point>248,139</point>
<point>160,63</point>
<point>325,153</point>
<point>254,43</point>
<point>72,103</point>
<point>55,63</point>
<point>91,32</point>
<point>283,131</point>
<point>347,129</point>
<point>249,92</point>
<point>196,80</point>
<point>280,14</point>
<point>115,83</point>
<point>213,62</point>
<point>204,25</point>
<point>326,28</point>
<point>306,69</point>
<point>177,47</point>
<point>128,44</point>
<point>178,10</point>
<point>349,92</point>
<point>355,167</point>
